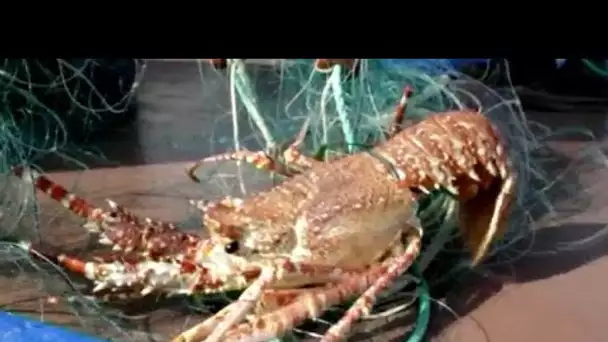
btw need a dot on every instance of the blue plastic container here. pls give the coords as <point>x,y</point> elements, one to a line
<point>17,328</point>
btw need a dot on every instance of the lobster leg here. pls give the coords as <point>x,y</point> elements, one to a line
<point>312,304</point>
<point>293,161</point>
<point>270,300</point>
<point>117,227</point>
<point>363,305</point>
<point>81,207</point>
<point>273,299</point>
<point>133,275</point>
<point>287,162</point>
<point>399,114</point>
<point>127,216</point>
<point>60,194</point>
<point>227,202</point>
<point>269,275</point>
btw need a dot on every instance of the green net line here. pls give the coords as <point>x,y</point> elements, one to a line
<point>347,112</point>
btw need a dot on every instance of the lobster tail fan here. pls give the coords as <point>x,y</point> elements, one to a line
<point>483,219</point>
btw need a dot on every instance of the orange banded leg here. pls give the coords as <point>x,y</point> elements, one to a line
<point>291,161</point>
<point>364,304</point>
<point>287,162</point>
<point>248,299</point>
<point>133,275</point>
<point>107,223</point>
<point>127,216</point>
<point>80,206</point>
<point>273,299</point>
<point>399,114</point>
<point>227,202</point>
<point>311,305</point>
<point>70,201</point>
<point>270,300</point>
<point>397,123</point>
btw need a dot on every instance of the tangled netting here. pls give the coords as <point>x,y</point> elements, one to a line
<point>347,111</point>
<point>50,108</point>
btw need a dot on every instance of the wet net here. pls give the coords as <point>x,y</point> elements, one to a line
<point>53,108</point>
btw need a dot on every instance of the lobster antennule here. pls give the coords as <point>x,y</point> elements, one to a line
<point>183,273</point>
<point>70,263</point>
<point>178,275</point>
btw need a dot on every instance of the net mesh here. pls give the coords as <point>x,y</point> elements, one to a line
<point>54,110</point>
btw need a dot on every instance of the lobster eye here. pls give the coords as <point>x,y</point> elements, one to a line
<point>232,247</point>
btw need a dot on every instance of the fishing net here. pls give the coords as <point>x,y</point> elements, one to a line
<point>348,110</point>
<point>567,85</point>
<point>50,109</point>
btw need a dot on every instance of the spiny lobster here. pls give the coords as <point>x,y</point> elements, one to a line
<point>332,230</point>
